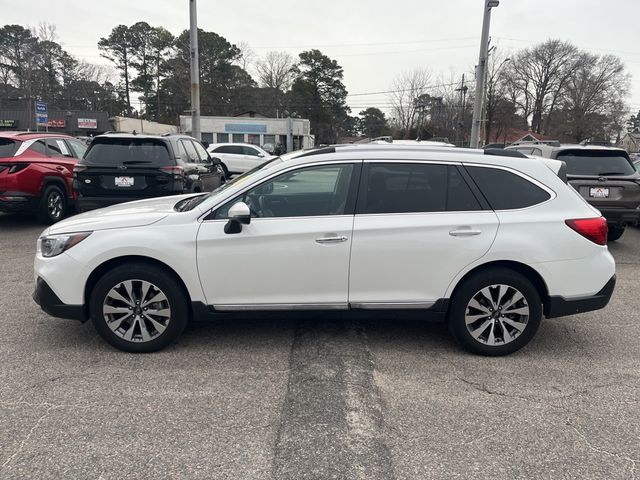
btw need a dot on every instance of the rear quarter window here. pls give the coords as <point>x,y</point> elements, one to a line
<point>131,151</point>
<point>8,147</point>
<point>505,190</point>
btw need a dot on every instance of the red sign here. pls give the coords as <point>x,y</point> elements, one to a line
<point>56,123</point>
<point>87,123</point>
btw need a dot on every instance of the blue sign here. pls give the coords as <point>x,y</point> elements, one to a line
<point>245,128</point>
<point>42,113</point>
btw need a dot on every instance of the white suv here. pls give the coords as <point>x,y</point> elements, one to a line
<point>238,157</point>
<point>487,242</point>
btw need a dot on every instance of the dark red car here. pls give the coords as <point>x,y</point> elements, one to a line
<point>36,173</point>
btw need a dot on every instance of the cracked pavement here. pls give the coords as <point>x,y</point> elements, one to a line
<point>316,396</point>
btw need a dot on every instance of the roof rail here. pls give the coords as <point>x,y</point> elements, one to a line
<point>501,152</point>
<point>317,151</point>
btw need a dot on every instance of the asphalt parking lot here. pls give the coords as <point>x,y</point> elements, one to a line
<point>315,396</point>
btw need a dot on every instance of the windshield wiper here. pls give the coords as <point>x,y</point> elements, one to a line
<point>603,174</point>
<point>136,162</point>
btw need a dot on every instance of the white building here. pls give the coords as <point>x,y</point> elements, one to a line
<point>125,124</point>
<point>253,128</point>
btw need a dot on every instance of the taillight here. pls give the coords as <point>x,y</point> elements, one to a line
<point>594,229</point>
<point>17,167</point>
<point>175,170</point>
<point>78,169</point>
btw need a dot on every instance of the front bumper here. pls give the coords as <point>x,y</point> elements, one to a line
<point>557,306</point>
<point>51,304</point>
<point>620,216</point>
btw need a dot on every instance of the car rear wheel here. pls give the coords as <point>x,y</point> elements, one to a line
<point>53,206</point>
<point>139,308</point>
<point>614,233</point>
<point>495,312</point>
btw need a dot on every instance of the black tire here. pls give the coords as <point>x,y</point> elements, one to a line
<point>470,288</point>
<point>614,233</point>
<point>53,205</point>
<point>176,302</point>
<point>225,170</point>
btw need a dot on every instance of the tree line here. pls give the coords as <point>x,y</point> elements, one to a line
<point>553,88</point>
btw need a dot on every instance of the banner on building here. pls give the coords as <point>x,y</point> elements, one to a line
<point>87,123</point>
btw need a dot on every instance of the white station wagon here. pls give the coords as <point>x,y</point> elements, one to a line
<point>488,241</point>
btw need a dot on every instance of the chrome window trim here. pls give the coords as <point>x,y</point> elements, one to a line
<point>240,307</point>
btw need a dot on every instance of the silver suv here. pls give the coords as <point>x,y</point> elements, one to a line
<point>604,176</point>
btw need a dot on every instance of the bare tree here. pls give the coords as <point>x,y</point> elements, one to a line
<point>538,76</point>
<point>276,70</point>
<point>407,87</point>
<point>596,90</point>
<point>247,55</point>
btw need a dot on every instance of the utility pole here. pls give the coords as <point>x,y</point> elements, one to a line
<point>463,97</point>
<point>195,70</point>
<point>480,73</point>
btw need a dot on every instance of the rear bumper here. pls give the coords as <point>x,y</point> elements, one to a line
<point>84,204</point>
<point>18,202</point>
<point>51,304</point>
<point>557,306</point>
<point>621,216</point>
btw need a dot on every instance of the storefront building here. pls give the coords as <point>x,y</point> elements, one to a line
<point>71,122</point>
<point>254,129</point>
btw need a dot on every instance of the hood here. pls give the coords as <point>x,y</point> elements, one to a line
<point>125,215</point>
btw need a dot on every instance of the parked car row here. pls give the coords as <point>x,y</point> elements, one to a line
<point>604,176</point>
<point>53,174</point>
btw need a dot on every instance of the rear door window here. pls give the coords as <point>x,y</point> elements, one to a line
<point>415,187</point>
<point>128,151</point>
<point>505,190</point>
<point>39,147</point>
<point>58,148</point>
<point>8,147</point>
<point>192,155</point>
<point>596,163</point>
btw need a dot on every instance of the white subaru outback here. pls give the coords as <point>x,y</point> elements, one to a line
<point>489,241</point>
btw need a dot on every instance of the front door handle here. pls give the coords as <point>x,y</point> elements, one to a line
<point>465,232</point>
<point>334,239</point>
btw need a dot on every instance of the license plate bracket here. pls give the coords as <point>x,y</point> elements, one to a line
<point>599,192</point>
<point>124,181</point>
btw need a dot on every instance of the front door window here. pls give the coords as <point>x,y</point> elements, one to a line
<point>306,192</point>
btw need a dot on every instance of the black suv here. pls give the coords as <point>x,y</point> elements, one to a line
<point>604,176</point>
<point>124,167</point>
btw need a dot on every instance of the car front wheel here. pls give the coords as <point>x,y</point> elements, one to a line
<point>495,312</point>
<point>139,308</point>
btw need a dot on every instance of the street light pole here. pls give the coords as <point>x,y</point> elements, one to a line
<point>480,73</point>
<point>195,70</point>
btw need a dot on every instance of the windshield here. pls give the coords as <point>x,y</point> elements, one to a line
<point>127,151</point>
<point>8,147</point>
<point>190,203</point>
<point>597,163</point>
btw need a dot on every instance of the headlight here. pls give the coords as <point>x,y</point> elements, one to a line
<point>52,245</point>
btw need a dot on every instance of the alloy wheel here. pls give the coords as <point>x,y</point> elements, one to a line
<point>497,315</point>
<point>136,310</point>
<point>54,204</point>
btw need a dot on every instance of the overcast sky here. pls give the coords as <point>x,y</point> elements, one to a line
<point>372,40</point>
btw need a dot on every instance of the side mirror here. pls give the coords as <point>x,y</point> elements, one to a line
<point>239,214</point>
<point>261,155</point>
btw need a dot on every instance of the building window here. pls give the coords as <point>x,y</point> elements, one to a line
<point>223,138</point>
<point>207,137</point>
<point>253,139</point>
<point>238,138</point>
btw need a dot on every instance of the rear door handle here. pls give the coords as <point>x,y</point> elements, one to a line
<point>334,239</point>
<point>465,232</point>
